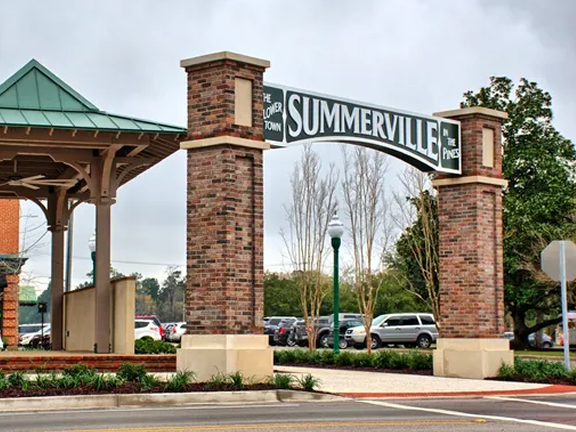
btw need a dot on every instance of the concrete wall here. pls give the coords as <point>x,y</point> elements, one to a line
<point>80,318</point>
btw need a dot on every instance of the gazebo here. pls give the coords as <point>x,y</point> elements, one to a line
<point>59,150</point>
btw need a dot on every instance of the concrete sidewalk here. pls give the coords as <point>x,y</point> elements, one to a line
<point>378,384</point>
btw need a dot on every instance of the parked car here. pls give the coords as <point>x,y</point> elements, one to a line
<point>270,327</point>
<point>408,329</point>
<point>156,321</point>
<point>298,334</point>
<point>25,338</point>
<point>41,341</point>
<point>175,331</point>
<point>29,328</point>
<point>345,324</point>
<point>146,327</point>
<point>547,341</point>
<point>283,330</point>
<point>323,328</point>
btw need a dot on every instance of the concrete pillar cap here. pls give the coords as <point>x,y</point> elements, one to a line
<point>471,111</point>
<point>224,55</point>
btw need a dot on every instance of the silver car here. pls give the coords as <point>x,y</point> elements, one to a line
<point>408,329</point>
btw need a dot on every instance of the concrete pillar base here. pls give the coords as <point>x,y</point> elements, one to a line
<point>209,355</point>
<point>471,358</point>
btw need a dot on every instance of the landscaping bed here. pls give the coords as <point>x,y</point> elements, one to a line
<point>134,379</point>
<point>537,371</point>
<point>413,362</point>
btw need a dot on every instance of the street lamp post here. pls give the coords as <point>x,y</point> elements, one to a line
<point>335,231</point>
<point>92,247</point>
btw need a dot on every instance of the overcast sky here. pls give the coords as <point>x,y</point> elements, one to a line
<point>417,55</point>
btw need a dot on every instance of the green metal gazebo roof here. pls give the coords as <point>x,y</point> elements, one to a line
<point>35,97</point>
<point>28,295</point>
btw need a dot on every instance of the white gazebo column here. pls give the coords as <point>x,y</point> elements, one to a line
<point>57,217</point>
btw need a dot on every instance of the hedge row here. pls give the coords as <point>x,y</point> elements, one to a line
<point>147,345</point>
<point>384,359</point>
<point>539,371</point>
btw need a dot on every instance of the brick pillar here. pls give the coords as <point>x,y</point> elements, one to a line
<point>225,193</point>
<point>471,255</point>
<point>9,248</point>
<point>10,309</point>
<point>225,271</point>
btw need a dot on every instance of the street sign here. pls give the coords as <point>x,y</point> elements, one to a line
<point>559,262</point>
<point>293,116</point>
<point>551,260</point>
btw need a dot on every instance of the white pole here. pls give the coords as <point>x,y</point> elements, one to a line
<point>564,305</point>
<point>69,245</point>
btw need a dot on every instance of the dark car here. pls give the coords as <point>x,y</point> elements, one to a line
<point>270,326</point>
<point>344,325</point>
<point>301,335</point>
<point>283,330</point>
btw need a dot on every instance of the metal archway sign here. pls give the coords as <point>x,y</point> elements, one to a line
<point>294,116</point>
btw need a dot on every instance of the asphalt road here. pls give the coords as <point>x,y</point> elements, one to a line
<point>526,414</point>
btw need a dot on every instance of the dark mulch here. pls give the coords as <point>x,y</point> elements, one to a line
<point>361,369</point>
<point>550,380</point>
<point>126,388</point>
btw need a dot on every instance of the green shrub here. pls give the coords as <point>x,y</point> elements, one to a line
<point>536,371</point>
<point>309,382</point>
<point>280,357</point>
<point>215,382</point>
<point>18,379</point>
<point>236,381</point>
<point>344,359</point>
<point>302,356</point>
<point>148,382</point>
<point>3,381</point>
<point>179,381</point>
<point>317,356</point>
<point>507,372</point>
<point>131,372</point>
<point>147,345</point>
<point>46,381</point>
<point>283,381</point>
<point>419,361</point>
<point>79,369</point>
<point>572,377</point>
<point>288,356</point>
<point>397,360</point>
<point>381,359</point>
<point>101,382</point>
<point>363,360</point>
<point>327,357</point>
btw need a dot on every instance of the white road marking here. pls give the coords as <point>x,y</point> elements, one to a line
<point>475,416</point>
<point>161,408</point>
<point>513,399</point>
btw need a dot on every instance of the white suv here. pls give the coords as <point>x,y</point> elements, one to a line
<point>408,329</point>
<point>146,327</point>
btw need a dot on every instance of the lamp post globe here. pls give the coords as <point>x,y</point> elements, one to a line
<point>336,231</point>
<point>335,227</point>
<point>92,247</point>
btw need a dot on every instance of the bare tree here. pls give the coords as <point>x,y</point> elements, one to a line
<point>416,204</point>
<point>367,211</point>
<point>312,206</point>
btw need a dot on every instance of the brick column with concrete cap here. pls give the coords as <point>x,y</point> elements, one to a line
<point>225,271</point>
<point>11,264</point>
<point>471,277</point>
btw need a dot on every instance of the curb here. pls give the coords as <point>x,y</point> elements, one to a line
<point>56,403</point>
<point>553,389</point>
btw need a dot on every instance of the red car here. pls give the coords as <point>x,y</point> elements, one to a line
<point>156,321</point>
